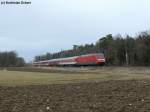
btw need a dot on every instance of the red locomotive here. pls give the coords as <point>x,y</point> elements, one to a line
<point>83,60</point>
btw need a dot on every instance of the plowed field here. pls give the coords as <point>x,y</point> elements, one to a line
<point>108,96</point>
<point>100,90</point>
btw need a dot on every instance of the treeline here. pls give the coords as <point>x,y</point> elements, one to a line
<point>118,50</point>
<point>10,59</point>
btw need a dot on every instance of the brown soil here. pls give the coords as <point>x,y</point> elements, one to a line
<point>109,96</point>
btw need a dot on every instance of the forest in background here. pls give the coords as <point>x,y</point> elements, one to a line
<point>118,50</point>
<point>10,59</point>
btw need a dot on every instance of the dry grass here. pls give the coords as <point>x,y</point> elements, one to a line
<point>16,78</point>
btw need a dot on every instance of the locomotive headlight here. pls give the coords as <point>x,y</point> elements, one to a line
<point>101,60</point>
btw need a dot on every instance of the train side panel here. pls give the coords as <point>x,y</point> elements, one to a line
<point>62,61</point>
<point>86,60</point>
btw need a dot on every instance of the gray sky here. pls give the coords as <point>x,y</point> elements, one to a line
<point>54,25</point>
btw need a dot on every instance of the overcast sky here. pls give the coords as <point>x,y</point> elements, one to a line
<point>54,25</point>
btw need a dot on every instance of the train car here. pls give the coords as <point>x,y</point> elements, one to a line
<point>41,63</point>
<point>83,60</point>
